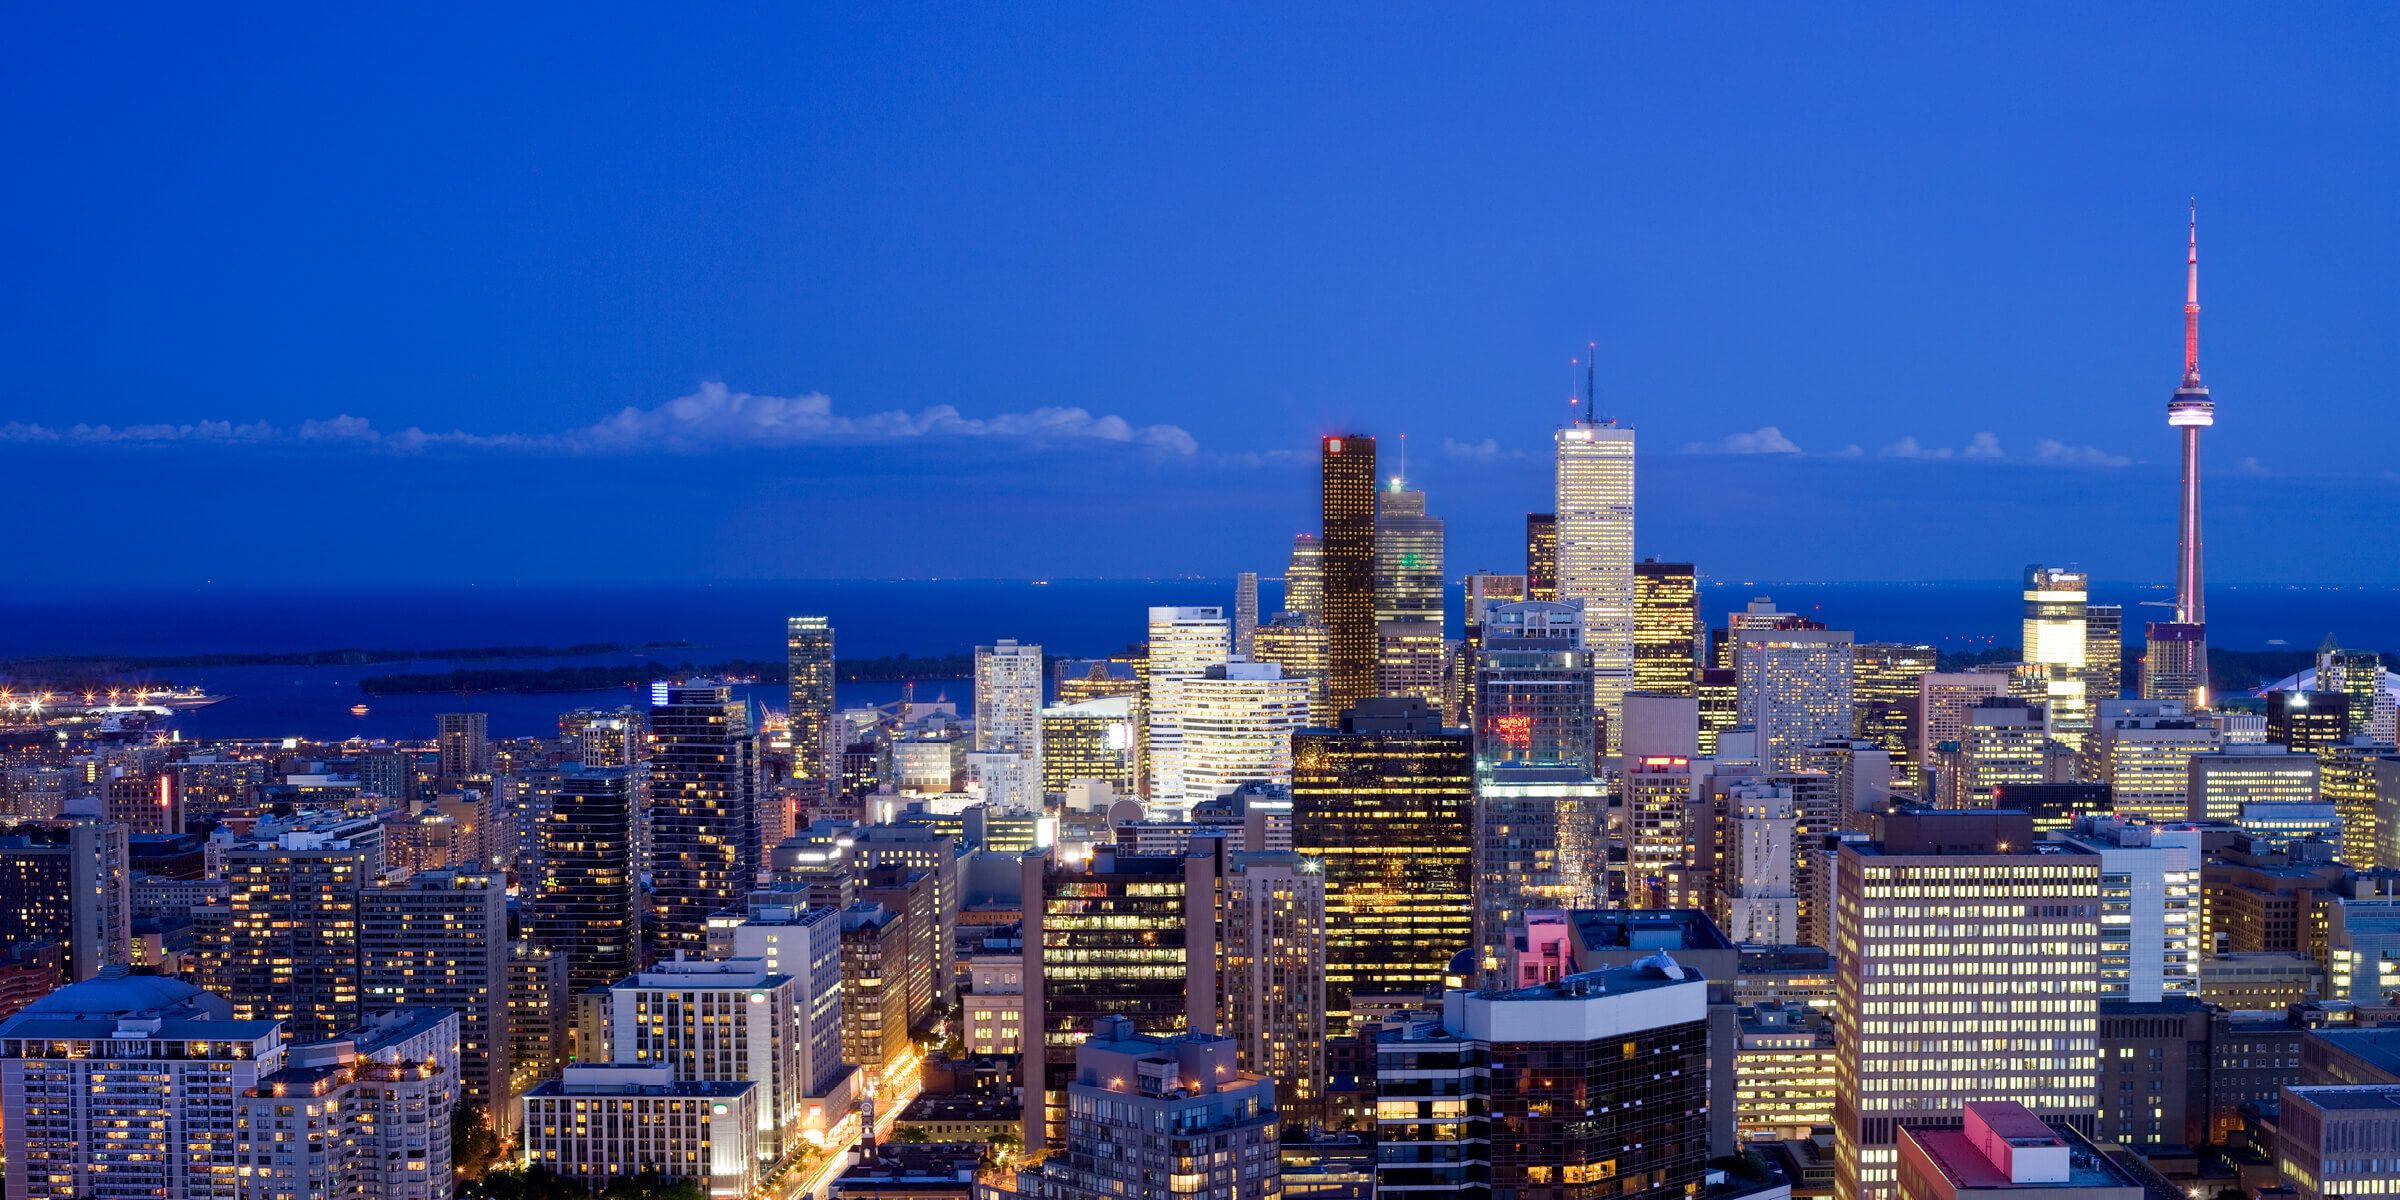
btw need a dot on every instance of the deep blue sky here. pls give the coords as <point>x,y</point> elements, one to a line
<point>1219,233</point>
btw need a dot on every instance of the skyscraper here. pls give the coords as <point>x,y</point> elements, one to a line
<point>1184,644</point>
<point>2058,641</point>
<point>1539,844</point>
<point>1541,556</point>
<point>2103,653</point>
<point>464,745</point>
<point>1883,693</point>
<point>1008,700</point>
<point>1238,718</point>
<point>1385,803</point>
<point>816,754</point>
<point>704,798</point>
<point>439,939</point>
<point>1409,579</point>
<point>1595,553</point>
<point>1533,687</point>
<point>291,942</point>
<point>1666,628</point>
<point>587,908</point>
<point>1795,689</point>
<point>1348,506</point>
<point>2175,665</point>
<point>1304,578</point>
<point>1296,642</point>
<point>1245,610</point>
<point>1180,1102</point>
<point>1274,948</point>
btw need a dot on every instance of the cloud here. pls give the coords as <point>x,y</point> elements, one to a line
<point>1489,450</point>
<point>1852,450</point>
<point>2250,467</point>
<point>1907,447</point>
<point>1766,439</point>
<point>715,418</point>
<point>1984,445</point>
<point>2050,450</point>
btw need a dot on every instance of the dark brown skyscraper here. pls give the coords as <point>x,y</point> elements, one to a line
<point>1541,556</point>
<point>1349,568</point>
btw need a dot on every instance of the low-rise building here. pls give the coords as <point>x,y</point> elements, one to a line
<point>598,1124</point>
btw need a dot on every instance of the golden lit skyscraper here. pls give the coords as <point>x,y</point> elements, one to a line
<point>1595,553</point>
<point>2057,641</point>
<point>1666,628</point>
<point>1296,642</point>
<point>1966,968</point>
<point>1348,508</point>
<point>815,756</point>
<point>1883,691</point>
<point>1720,696</point>
<point>1541,556</point>
<point>1304,578</point>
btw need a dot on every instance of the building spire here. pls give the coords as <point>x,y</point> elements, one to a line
<point>2191,304</point>
<point>1591,389</point>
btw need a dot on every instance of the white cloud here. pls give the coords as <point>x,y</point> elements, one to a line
<point>1907,447</point>
<point>1488,450</point>
<point>2251,467</point>
<point>713,418</point>
<point>1766,439</point>
<point>2050,450</point>
<point>1984,445</point>
<point>1853,450</point>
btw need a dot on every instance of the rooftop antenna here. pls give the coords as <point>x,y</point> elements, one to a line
<point>1404,458</point>
<point>1591,390</point>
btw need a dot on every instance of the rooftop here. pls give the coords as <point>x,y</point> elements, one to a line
<point>2369,1097</point>
<point>1648,929</point>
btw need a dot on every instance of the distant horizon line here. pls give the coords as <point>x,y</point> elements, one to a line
<point>78,589</point>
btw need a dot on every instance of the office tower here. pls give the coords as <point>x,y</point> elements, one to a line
<point>2351,776</point>
<point>1348,508</point>
<point>1943,701</point>
<point>2150,918</point>
<point>366,1115</point>
<point>2142,749</point>
<point>464,745</point>
<point>1784,1066</point>
<point>1794,689</point>
<point>1533,687</point>
<point>1409,661</point>
<point>1482,593</point>
<point>2220,783</point>
<point>2358,674</point>
<point>2002,1148</point>
<point>290,948</point>
<point>65,882</point>
<point>1720,708</point>
<point>1541,556</point>
<point>1158,1118</point>
<point>721,1021</point>
<point>1304,577</point>
<point>1962,902</point>
<point>816,736</point>
<point>1660,834</point>
<point>1757,893</point>
<point>1540,843</point>
<point>1296,643</point>
<point>596,1125</point>
<point>2057,640</point>
<point>1274,975</point>
<point>1598,1082</point>
<point>2175,664</point>
<point>538,1007</point>
<point>1184,644</point>
<point>1238,719</point>
<point>913,893</point>
<point>1666,628</point>
<point>1008,699</point>
<point>1075,680</point>
<point>806,944</point>
<point>2103,652</point>
<point>129,1085</point>
<point>1118,935</point>
<point>1385,802</point>
<point>704,799</point>
<point>2337,1141</point>
<point>439,939</point>
<point>874,1016</point>
<point>1595,552</point>
<point>587,907</point>
<point>1245,611</point>
<point>2004,745</point>
<point>1093,740</point>
<point>2306,721</point>
<point>1409,581</point>
<point>1883,693</point>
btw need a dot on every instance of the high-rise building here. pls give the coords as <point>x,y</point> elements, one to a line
<point>2103,652</point>
<point>2057,640</point>
<point>2358,674</point>
<point>1883,693</point>
<point>1409,660</point>
<point>1008,699</point>
<point>1093,740</point>
<point>1245,611</point>
<point>1159,1118</point>
<point>2175,664</point>
<point>129,1085</point>
<point>1385,803</point>
<point>1943,700</point>
<point>1482,592</point>
<point>1238,720</point>
<point>1533,687</point>
<point>2004,745</point>
<point>1720,705</point>
<point>1296,643</point>
<point>368,1114</point>
<point>1540,843</point>
<point>1959,906</point>
<point>1274,974</point>
<point>587,906</point>
<point>464,745</point>
<point>1184,644</point>
<point>596,1125</point>
<point>291,940</point>
<point>1409,581</point>
<point>65,882</point>
<point>2222,782</point>
<point>1795,689</point>
<point>2353,777</point>
<point>1348,508</point>
<point>1757,887</point>
<point>2305,721</point>
<point>1666,628</point>
<point>719,1021</point>
<point>1304,577</point>
<point>1596,1084</point>
<point>816,738</point>
<point>2142,749</point>
<point>704,799</point>
<point>1659,830</point>
<point>1541,556</point>
<point>1595,553</point>
<point>1784,1068</point>
<point>2149,907</point>
<point>439,939</point>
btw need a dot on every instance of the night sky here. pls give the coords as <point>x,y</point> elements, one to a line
<point>582,294</point>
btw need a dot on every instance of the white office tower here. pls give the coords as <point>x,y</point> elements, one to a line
<point>1760,900</point>
<point>1793,686</point>
<point>790,938</point>
<point>1184,644</point>
<point>1943,700</point>
<point>598,1124</point>
<point>1007,780</point>
<point>1595,553</point>
<point>129,1085</point>
<point>1237,721</point>
<point>2149,906</point>
<point>2143,750</point>
<point>719,1021</point>
<point>366,1115</point>
<point>1540,843</point>
<point>1008,699</point>
<point>2057,643</point>
<point>1245,612</point>
<point>1274,975</point>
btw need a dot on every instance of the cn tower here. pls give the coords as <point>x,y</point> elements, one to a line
<point>2175,666</point>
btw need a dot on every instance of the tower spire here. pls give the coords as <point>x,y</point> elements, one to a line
<point>2191,303</point>
<point>1591,391</point>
